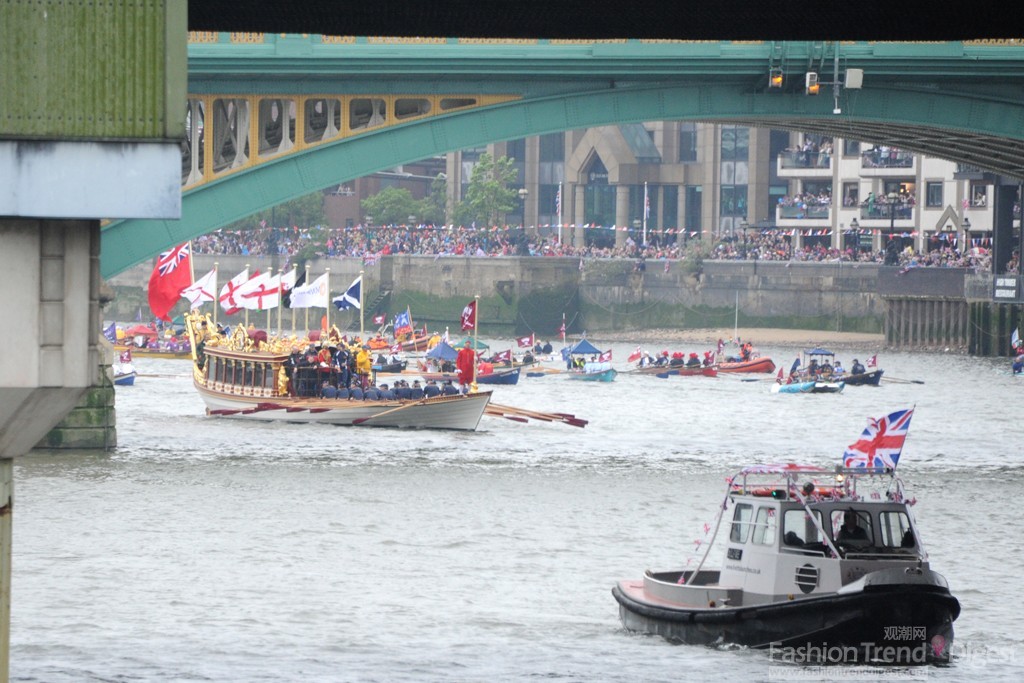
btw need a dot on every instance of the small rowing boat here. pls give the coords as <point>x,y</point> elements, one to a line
<point>506,376</point>
<point>809,387</point>
<point>759,364</point>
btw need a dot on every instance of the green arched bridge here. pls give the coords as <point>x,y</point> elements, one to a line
<point>275,117</point>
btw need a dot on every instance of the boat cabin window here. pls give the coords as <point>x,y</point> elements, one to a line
<point>764,526</point>
<point>849,525</point>
<point>741,523</point>
<point>894,530</point>
<point>798,528</point>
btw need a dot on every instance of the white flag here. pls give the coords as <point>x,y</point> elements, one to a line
<point>228,300</point>
<point>287,281</point>
<point>260,293</point>
<point>313,294</point>
<point>201,290</point>
<point>350,299</point>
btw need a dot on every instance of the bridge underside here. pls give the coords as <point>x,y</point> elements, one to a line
<point>950,125</point>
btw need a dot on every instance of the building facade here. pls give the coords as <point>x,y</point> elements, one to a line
<point>669,180</point>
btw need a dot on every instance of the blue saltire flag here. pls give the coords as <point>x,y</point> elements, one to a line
<point>351,297</point>
<point>403,322</point>
<point>881,442</point>
<point>110,332</point>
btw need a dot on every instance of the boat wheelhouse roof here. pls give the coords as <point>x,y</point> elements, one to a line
<point>818,351</point>
<point>790,481</point>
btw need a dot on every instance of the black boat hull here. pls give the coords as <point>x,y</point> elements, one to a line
<point>897,624</point>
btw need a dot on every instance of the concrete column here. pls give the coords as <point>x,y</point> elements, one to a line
<point>6,513</point>
<point>621,213</point>
<point>579,201</point>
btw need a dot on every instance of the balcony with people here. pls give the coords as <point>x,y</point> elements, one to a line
<point>812,159</point>
<point>804,211</point>
<point>894,210</point>
<point>887,161</point>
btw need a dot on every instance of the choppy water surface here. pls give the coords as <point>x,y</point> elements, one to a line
<point>209,549</point>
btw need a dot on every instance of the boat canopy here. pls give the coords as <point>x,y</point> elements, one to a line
<point>818,351</point>
<point>474,344</point>
<point>442,351</point>
<point>583,347</point>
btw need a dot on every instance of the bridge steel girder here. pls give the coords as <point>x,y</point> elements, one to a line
<point>956,125</point>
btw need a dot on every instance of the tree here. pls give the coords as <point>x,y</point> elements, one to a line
<point>488,197</point>
<point>393,206</point>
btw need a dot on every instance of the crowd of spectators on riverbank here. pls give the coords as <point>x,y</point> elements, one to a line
<point>371,243</point>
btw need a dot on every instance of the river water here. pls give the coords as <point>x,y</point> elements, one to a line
<point>206,549</point>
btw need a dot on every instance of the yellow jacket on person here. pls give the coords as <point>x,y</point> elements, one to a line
<point>363,362</point>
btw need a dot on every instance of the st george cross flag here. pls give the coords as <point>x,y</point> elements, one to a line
<point>636,355</point>
<point>873,361</point>
<point>260,293</point>
<point>526,342</point>
<point>228,299</point>
<point>202,290</point>
<point>605,357</point>
<point>880,443</point>
<point>352,296</point>
<point>469,316</point>
<point>313,294</point>
<point>379,319</point>
<point>171,274</point>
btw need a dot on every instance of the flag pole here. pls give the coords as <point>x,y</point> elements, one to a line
<point>645,214</point>
<point>280,305</point>
<point>270,312</point>
<point>327,315</point>
<point>476,333</point>
<point>307,307</point>
<point>560,201</point>
<point>362,332</point>
<point>247,309</point>
<point>216,293</point>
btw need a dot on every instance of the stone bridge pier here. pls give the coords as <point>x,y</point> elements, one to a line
<point>51,322</point>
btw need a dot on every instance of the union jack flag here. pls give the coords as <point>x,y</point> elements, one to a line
<point>880,443</point>
<point>169,260</point>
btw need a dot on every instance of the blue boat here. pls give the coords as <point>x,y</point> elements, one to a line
<point>818,387</point>
<point>125,379</point>
<point>599,376</point>
<point>507,376</point>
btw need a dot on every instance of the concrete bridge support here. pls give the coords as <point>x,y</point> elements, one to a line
<point>52,318</point>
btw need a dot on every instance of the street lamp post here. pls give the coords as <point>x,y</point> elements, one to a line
<point>523,193</point>
<point>743,226</point>
<point>855,227</point>
<point>966,224</point>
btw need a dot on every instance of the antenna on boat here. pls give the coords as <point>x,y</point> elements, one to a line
<point>216,302</point>
<point>736,320</point>
<point>362,332</point>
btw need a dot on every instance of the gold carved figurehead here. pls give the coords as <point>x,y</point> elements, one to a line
<point>282,381</point>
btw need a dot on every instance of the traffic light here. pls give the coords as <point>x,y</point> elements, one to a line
<point>775,78</point>
<point>811,86</point>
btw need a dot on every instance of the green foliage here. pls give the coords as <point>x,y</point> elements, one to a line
<point>394,205</point>
<point>488,197</point>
